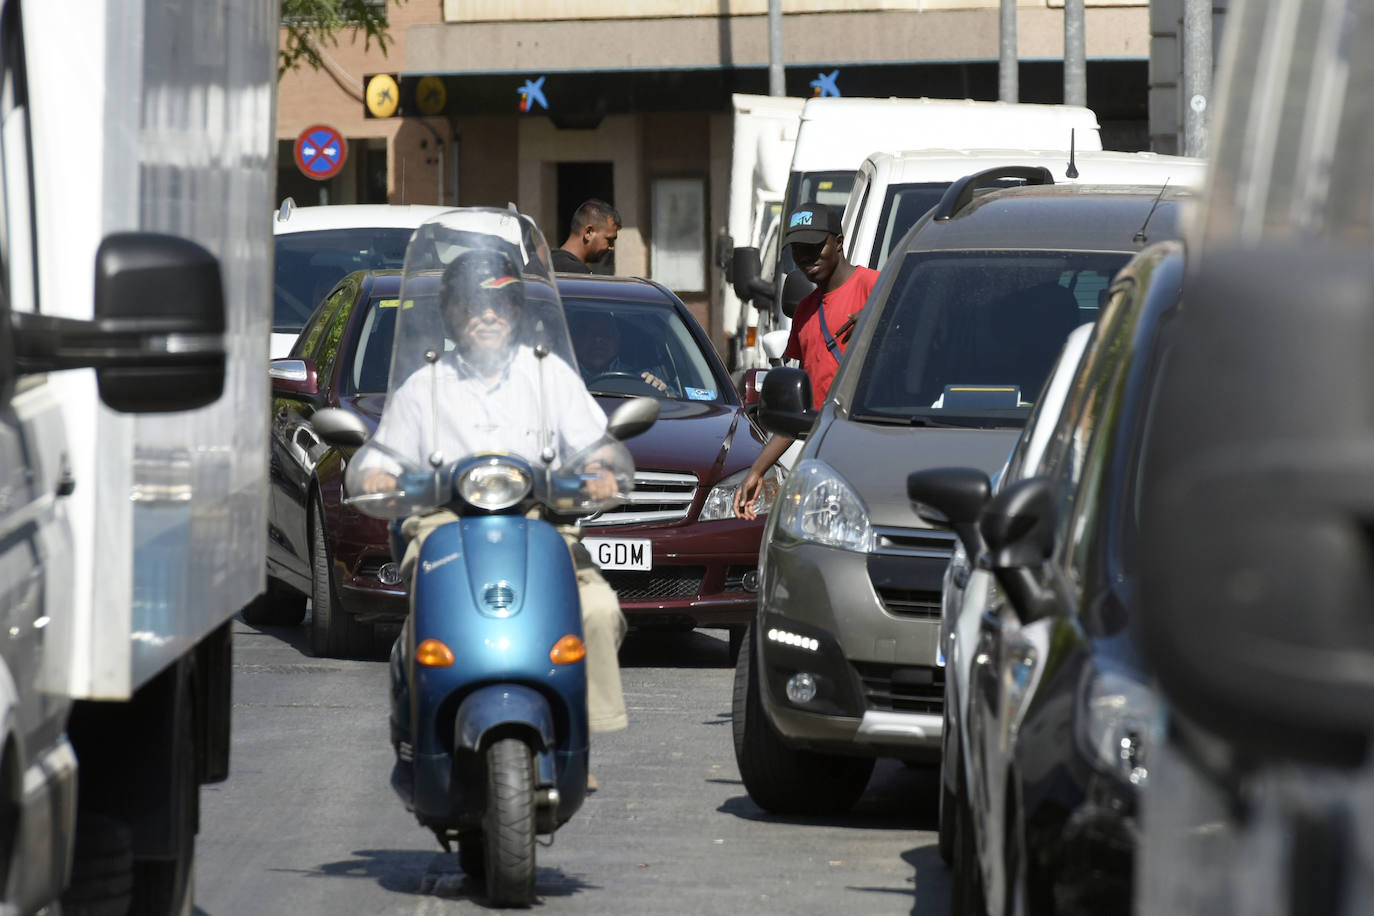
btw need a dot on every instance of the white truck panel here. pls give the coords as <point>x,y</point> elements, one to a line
<point>169,510</point>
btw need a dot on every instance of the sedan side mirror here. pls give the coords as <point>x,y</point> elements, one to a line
<point>750,386</point>
<point>785,403</point>
<point>1018,528</point>
<point>952,498</point>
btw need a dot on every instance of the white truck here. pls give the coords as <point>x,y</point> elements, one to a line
<point>764,133</point>
<point>136,168</point>
<point>833,137</point>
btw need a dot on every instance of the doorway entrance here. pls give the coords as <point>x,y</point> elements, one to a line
<point>578,182</point>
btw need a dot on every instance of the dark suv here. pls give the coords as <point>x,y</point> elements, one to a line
<point>956,340</point>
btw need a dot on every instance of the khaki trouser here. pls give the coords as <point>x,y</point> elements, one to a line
<point>603,624</point>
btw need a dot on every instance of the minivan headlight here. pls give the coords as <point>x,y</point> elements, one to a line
<point>817,504</point>
<point>720,502</point>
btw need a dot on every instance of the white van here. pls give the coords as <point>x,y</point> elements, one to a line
<point>834,136</point>
<point>892,190</point>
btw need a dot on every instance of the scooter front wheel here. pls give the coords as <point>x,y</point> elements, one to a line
<point>508,825</point>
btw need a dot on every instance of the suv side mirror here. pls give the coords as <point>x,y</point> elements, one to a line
<point>952,498</point>
<point>785,403</point>
<point>746,275</point>
<point>293,376</point>
<point>753,378</point>
<point>157,339</point>
<point>1255,530</point>
<point>1018,528</point>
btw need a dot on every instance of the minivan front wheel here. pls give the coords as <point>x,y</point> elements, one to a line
<point>781,779</point>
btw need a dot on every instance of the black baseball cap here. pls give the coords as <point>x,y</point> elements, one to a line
<point>811,223</point>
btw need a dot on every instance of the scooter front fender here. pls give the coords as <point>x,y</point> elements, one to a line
<point>500,705</point>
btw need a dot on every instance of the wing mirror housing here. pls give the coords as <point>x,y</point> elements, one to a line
<point>751,386</point>
<point>293,376</point>
<point>746,275</point>
<point>339,427</point>
<point>952,498</point>
<point>632,418</point>
<point>1255,531</point>
<point>156,342</point>
<point>1017,526</point>
<point>785,403</point>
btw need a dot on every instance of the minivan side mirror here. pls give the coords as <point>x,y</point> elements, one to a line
<point>952,498</point>
<point>157,339</point>
<point>746,275</point>
<point>1017,526</point>
<point>785,403</point>
<point>1255,527</point>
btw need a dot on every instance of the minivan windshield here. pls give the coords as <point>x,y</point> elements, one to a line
<point>308,264</point>
<point>968,338</point>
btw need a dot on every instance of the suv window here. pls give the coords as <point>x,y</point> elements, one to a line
<point>308,264</point>
<point>970,337</point>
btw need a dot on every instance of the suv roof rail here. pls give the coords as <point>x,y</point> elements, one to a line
<point>960,193</point>
<point>284,211</point>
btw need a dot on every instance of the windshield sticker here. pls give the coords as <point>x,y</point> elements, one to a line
<point>390,303</point>
<point>700,394</point>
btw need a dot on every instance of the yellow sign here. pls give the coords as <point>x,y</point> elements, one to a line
<point>383,95</point>
<point>430,95</point>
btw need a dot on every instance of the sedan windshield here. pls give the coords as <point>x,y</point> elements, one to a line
<point>969,338</point>
<point>308,264</point>
<point>616,342</point>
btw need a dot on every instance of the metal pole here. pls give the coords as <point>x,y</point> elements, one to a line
<point>1075,68</point>
<point>1008,84</point>
<point>1197,75</point>
<point>777,84</point>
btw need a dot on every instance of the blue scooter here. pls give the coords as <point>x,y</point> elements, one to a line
<point>488,685</point>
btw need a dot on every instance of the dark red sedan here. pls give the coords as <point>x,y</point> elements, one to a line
<point>675,553</point>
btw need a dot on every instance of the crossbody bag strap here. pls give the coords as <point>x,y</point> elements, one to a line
<point>830,343</point>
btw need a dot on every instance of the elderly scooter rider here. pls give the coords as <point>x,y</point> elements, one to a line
<point>487,398</point>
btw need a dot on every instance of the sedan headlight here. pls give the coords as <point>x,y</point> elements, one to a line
<point>816,504</point>
<point>720,502</point>
<point>1119,720</point>
<point>493,483</point>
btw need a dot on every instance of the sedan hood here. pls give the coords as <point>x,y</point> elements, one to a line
<point>689,435</point>
<point>876,460</point>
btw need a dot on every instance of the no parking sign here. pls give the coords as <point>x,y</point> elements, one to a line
<point>320,152</point>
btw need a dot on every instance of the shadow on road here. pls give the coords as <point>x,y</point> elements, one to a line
<point>436,874</point>
<point>898,797</point>
<point>932,879</point>
<point>675,649</point>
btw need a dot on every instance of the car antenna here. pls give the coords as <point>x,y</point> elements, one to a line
<point>1140,233</point>
<point>1072,170</point>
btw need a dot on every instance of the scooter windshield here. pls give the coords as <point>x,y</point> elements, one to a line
<point>482,364</point>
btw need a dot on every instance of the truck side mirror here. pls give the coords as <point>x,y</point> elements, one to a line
<point>157,339</point>
<point>795,288</point>
<point>785,403</point>
<point>746,275</point>
<point>1255,548</point>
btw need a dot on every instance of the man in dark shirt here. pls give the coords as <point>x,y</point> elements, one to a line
<point>591,237</point>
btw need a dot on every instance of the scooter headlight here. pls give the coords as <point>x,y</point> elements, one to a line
<point>494,483</point>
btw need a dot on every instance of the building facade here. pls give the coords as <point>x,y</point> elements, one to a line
<point>545,103</point>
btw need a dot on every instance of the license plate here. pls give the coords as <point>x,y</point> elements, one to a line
<point>621,553</point>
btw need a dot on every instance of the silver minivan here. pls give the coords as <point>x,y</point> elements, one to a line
<point>842,664</point>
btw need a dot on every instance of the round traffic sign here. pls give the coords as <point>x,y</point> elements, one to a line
<point>320,152</point>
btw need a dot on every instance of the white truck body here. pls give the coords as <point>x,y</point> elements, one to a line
<point>892,190</point>
<point>764,134</point>
<point>835,134</point>
<point>141,108</point>
<point>136,167</point>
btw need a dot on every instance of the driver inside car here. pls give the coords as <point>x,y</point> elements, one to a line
<point>596,338</point>
<point>485,399</point>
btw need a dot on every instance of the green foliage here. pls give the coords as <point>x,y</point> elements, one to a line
<point>311,24</point>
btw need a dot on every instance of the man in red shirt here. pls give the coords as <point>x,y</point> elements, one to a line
<point>821,325</point>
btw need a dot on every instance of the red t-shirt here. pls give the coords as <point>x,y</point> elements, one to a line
<point>807,343</point>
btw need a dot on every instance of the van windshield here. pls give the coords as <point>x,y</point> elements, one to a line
<point>969,337</point>
<point>902,207</point>
<point>831,188</point>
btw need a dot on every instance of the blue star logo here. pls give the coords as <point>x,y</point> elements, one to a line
<point>824,85</point>
<point>532,94</point>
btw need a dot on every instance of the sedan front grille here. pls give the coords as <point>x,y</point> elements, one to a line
<point>659,497</point>
<point>668,583</point>
<point>903,688</point>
